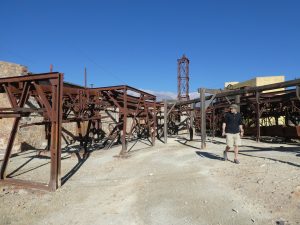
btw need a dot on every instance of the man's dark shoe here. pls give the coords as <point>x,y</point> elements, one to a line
<point>225,156</point>
<point>236,161</point>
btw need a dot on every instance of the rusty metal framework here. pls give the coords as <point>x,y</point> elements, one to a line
<point>178,117</point>
<point>40,87</point>
<point>120,114</point>
<point>261,108</point>
<point>127,112</point>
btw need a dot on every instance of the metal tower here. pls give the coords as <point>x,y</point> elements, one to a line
<point>183,78</point>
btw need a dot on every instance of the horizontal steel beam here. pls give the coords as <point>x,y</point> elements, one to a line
<point>290,83</point>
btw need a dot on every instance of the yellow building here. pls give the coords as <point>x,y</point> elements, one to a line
<point>255,82</point>
<point>260,81</point>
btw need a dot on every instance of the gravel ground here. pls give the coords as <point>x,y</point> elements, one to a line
<point>172,184</point>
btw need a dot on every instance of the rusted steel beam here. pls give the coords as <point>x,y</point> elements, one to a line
<point>33,77</point>
<point>10,115</point>
<point>21,103</point>
<point>258,116</point>
<point>11,97</point>
<point>290,83</point>
<point>123,87</point>
<point>25,184</point>
<point>56,130</point>
<point>61,102</point>
<point>203,118</point>
<point>43,99</point>
<point>165,122</point>
<point>24,87</point>
<point>123,138</point>
<point>154,126</point>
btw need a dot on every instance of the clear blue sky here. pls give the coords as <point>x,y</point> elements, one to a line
<point>138,42</point>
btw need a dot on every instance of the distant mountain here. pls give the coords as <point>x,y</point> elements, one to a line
<point>161,95</point>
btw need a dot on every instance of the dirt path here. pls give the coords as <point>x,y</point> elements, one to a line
<point>167,184</point>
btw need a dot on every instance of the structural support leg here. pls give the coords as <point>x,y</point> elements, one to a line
<point>55,148</point>
<point>9,147</point>
<point>86,137</point>
<point>203,118</point>
<point>154,124</point>
<point>13,132</point>
<point>257,117</point>
<point>191,128</point>
<point>165,122</point>
<point>123,138</point>
<point>213,122</point>
<point>79,131</point>
<point>238,102</point>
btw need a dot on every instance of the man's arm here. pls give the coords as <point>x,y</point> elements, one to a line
<point>241,127</point>
<point>241,130</point>
<point>225,120</point>
<point>223,129</point>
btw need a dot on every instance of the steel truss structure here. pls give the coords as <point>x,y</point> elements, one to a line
<point>258,105</point>
<point>131,114</point>
<point>261,108</point>
<point>175,117</point>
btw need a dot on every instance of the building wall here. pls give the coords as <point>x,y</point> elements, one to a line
<point>8,70</point>
<point>260,81</point>
<point>257,81</point>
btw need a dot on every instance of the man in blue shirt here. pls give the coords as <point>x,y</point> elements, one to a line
<point>232,128</point>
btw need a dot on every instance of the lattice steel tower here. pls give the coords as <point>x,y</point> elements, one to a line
<point>183,78</point>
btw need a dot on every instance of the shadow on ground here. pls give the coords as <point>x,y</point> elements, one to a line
<point>209,155</point>
<point>71,150</point>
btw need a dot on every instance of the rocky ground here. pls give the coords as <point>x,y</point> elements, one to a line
<point>172,184</point>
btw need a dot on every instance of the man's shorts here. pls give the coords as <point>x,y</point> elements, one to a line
<point>233,140</point>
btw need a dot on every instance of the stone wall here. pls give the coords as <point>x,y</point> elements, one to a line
<point>33,136</point>
<point>11,69</point>
<point>28,137</point>
<point>8,70</point>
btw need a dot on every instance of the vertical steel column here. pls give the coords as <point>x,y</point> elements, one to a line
<point>48,135</point>
<point>86,137</point>
<point>125,113</point>
<point>257,117</point>
<point>13,132</point>
<point>154,123</point>
<point>79,131</point>
<point>55,148</point>
<point>203,118</point>
<point>213,122</point>
<point>238,102</point>
<point>165,121</point>
<point>191,128</point>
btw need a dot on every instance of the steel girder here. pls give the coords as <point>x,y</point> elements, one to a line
<point>58,102</point>
<point>257,107</point>
<point>18,91</point>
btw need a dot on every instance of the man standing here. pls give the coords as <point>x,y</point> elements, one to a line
<point>232,128</point>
